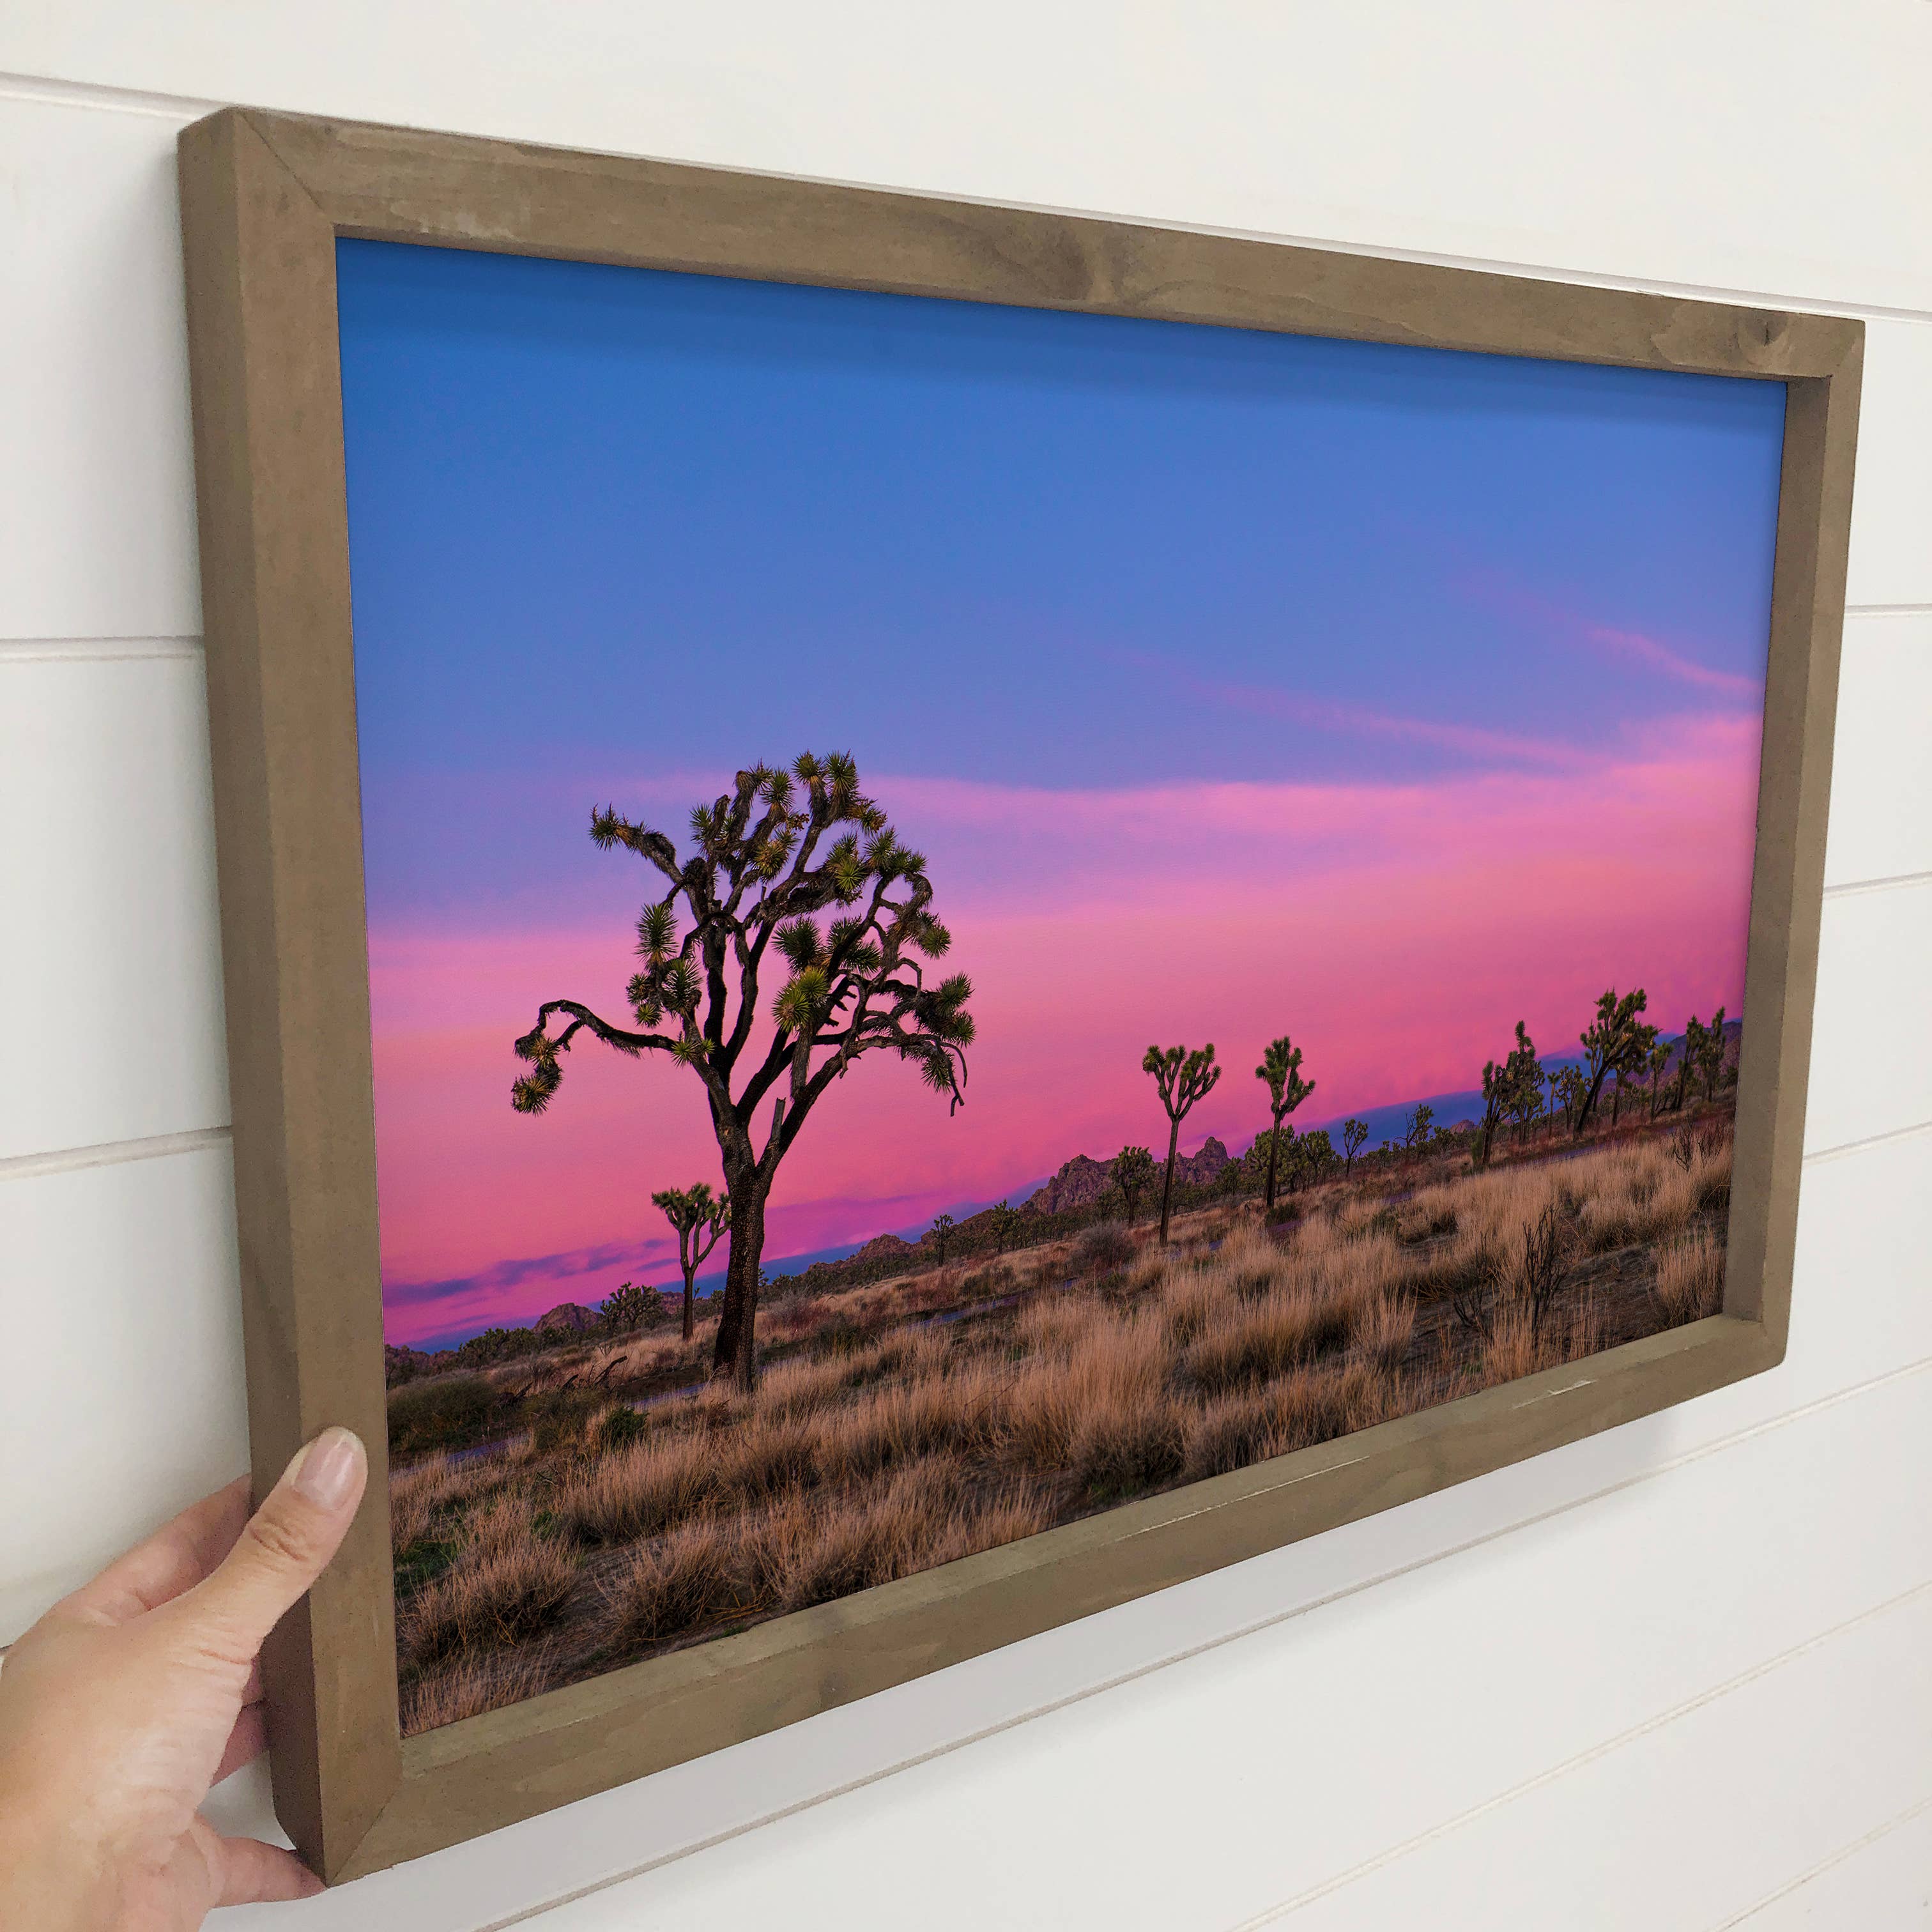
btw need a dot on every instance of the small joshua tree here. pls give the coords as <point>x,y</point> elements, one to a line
<point>1354,1132</point>
<point>1608,1043</point>
<point>1182,1078</point>
<point>1280,1072</point>
<point>1134,1172</point>
<point>942,1233</point>
<point>795,866</point>
<point>1711,1055</point>
<point>1314,1156</point>
<point>1655,1063</point>
<point>1421,1130</point>
<point>1570,1091</point>
<point>1505,1083</point>
<point>1691,1050</point>
<point>699,1219</point>
<point>630,1307</point>
<point>1003,1222</point>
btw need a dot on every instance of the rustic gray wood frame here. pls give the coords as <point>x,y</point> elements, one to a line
<point>264,198</point>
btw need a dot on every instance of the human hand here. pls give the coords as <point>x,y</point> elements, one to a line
<point>129,1699</point>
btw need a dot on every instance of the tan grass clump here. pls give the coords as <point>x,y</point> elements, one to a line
<point>1690,1279</point>
<point>692,1576</point>
<point>637,1492</point>
<point>1243,1345</point>
<point>493,1594</point>
<point>468,1687</point>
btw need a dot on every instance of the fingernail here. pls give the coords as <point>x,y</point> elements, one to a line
<point>328,1471</point>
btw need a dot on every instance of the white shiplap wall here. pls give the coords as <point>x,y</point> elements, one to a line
<point>1678,1676</point>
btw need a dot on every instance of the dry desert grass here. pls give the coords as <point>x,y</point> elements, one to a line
<point>862,1458</point>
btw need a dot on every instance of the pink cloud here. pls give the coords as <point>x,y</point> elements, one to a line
<point>1397,931</point>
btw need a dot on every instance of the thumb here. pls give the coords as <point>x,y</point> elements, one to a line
<point>288,1542</point>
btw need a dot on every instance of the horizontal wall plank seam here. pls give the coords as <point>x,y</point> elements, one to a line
<point>84,95</point>
<point>107,1154</point>
<point>111,1153</point>
<point>1830,1863</point>
<point>1818,1406</point>
<point>104,100</point>
<point>1898,881</point>
<point>93,650</point>
<point>1765,1667</point>
<point>1845,1148</point>
<point>188,644</point>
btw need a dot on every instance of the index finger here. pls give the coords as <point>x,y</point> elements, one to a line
<point>175,1558</point>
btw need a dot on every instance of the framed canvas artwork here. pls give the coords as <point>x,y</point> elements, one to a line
<point>935,915</point>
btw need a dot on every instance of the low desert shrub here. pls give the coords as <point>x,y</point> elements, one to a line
<point>442,1412</point>
<point>618,1427</point>
<point>1104,1248</point>
<point>1690,1279</point>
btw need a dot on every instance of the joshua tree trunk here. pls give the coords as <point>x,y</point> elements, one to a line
<point>690,1293</point>
<point>737,1354</point>
<point>1167,1185</point>
<point>1274,1155</point>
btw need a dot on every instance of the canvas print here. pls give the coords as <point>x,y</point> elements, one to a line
<point>975,914</point>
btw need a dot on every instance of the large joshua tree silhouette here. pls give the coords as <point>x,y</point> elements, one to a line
<point>1280,1072</point>
<point>1183,1077</point>
<point>770,857</point>
<point>700,1218</point>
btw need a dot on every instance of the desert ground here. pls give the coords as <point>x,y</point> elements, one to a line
<point>569,1512</point>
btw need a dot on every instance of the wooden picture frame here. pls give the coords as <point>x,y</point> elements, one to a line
<point>264,197</point>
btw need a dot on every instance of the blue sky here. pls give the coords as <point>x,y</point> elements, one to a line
<point>580,495</point>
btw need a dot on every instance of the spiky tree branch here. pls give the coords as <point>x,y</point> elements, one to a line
<point>802,863</point>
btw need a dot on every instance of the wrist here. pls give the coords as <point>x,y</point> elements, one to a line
<point>49,1879</point>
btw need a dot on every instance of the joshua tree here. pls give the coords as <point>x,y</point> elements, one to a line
<point>1421,1129</point>
<point>1314,1155</point>
<point>1271,1147</point>
<point>942,1233</point>
<point>631,1307</point>
<point>1134,1171</point>
<point>1690,1051</point>
<point>1569,1086</point>
<point>1636,1058</point>
<point>1183,1077</point>
<point>1003,1222</point>
<point>1608,1043</point>
<point>1504,1085</point>
<point>1354,1133</point>
<point>1655,1062</point>
<point>1280,1072</point>
<point>1711,1055</point>
<point>770,856</point>
<point>700,1219</point>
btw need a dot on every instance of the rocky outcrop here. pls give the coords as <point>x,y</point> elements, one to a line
<point>1079,1183</point>
<point>567,1318</point>
<point>1083,1180</point>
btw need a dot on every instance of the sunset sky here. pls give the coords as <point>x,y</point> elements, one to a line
<point>1232,683</point>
